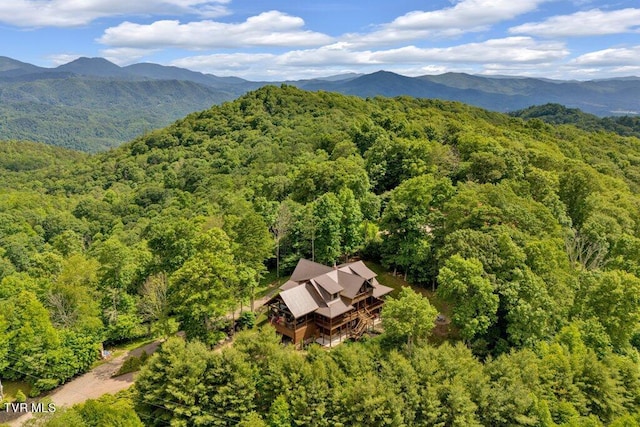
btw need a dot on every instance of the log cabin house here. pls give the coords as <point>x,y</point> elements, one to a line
<point>327,304</point>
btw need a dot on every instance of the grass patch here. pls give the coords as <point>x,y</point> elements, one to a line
<point>267,286</point>
<point>441,333</point>
<point>261,319</point>
<point>387,278</point>
<point>123,348</point>
<point>12,387</point>
<point>132,345</point>
<point>268,283</point>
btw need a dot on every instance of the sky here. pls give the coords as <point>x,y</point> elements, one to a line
<point>272,40</point>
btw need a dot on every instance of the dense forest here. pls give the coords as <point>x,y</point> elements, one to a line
<point>529,232</point>
<point>559,114</point>
<point>91,104</point>
<point>94,114</point>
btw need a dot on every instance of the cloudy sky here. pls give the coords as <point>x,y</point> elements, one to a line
<point>293,39</point>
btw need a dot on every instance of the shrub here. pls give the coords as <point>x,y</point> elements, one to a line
<point>43,384</point>
<point>247,320</point>
<point>132,364</point>
<point>20,397</point>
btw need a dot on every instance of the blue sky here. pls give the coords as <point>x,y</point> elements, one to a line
<point>294,39</point>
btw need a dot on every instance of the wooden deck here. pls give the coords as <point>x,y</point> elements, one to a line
<point>328,332</point>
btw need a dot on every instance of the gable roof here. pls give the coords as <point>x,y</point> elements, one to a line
<point>288,285</point>
<point>299,300</point>
<point>351,283</point>
<point>360,269</point>
<point>327,283</point>
<point>335,308</point>
<point>380,290</point>
<point>312,287</point>
<point>306,270</point>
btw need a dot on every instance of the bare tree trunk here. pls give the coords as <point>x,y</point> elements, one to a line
<point>253,293</point>
<point>277,258</point>
<point>591,255</point>
<point>233,320</point>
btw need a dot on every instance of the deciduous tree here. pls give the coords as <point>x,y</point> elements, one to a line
<point>409,316</point>
<point>463,283</point>
<point>202,290</point>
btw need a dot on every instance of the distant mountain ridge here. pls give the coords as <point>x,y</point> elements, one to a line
<point>91,104</point>
<point>501,93</point>
<point>33,99</point>
<point>12,67</point>
<point>599,97</point>
<point>100,67</point>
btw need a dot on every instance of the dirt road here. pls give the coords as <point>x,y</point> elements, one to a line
<point>93,384</point>
<point>99,381</point>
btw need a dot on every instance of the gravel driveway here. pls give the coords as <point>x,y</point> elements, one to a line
<point>91,385</point>
<point>99,381</point>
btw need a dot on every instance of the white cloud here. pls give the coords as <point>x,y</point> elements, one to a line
<point>255,66</point>
<point>125,55</point>
<point>507,50</point>
<point>335,54</point>
<point>567,71</point>
<point>614,57</point>
<point>66,13</point>
<point>62,58</point>
<point>464,17</point>
<point>585,23</point>
<point>411,60</point>
<point>271,28</point>
<point>626,71</point>
<point>466,14</point>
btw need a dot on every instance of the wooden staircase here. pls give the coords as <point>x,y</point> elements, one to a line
<point>365,319</point>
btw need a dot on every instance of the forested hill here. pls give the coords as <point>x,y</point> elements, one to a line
<point>95,114</point>
<point>559,114</point>
<point>91,104</point>
<point>530,232</point>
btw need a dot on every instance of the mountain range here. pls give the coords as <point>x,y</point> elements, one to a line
<point>91,104</point>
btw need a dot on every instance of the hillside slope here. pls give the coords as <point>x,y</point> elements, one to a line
<point>92,104</point>
<point>529,232</point>
<point>602,97</point>
<point>559,114</point>
<point>92,114</point>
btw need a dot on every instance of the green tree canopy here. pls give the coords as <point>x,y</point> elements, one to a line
<point>410,316</point>
<point>463,284</point>
<point>202,290</point>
